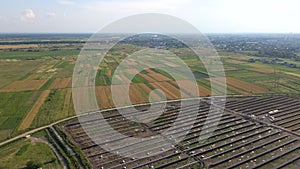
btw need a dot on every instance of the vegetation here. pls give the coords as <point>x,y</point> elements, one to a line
<point>262,45</point>
<point>13,108</point>
<point>33,165</point>
<point>11,70</point>
<point>251,65</point>
<point>73,160</point>
<point>78,153</point>
<point>27,155</point>
<point>53,140</point>
<point>36,54</point>
<point>52,109</point>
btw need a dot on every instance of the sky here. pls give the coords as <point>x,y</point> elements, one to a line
<point>208,16</point>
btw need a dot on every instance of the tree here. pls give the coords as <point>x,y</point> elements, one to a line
<point>33,165</point>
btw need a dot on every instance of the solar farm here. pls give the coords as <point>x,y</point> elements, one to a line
<point>253,132</point>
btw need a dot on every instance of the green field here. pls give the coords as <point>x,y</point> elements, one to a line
<point>13,108</point>
<point>52,65</point>
<point>53,109</point>
<point>277,78</point>
<point>18,153</point>
<point>66,68</point>
<point>11,70</point>
<point>14,105</point>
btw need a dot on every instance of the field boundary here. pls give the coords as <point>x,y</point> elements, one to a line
<point>89,113</point>
<point>34,110</point>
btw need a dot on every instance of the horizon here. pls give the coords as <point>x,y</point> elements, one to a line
<point>220,16</point>
<point>207,33</point>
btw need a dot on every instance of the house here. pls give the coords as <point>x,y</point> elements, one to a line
<point>251,60</point>
<point>292,65</point>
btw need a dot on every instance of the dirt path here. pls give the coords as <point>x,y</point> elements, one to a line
<point>34,131</point>
<point>34,110</point>
<point>67,102</point>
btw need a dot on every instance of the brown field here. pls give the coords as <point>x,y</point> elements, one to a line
<point>245,86</point>
<point>150,71</point>
<point>109,72</point>
<point>204,92</point>
<point>49,65</point>
<point>103,94</point>
<point>230,68</point>
<point>34,110</point>
<point>34,76</point>
<point>263,70</point>
<point>12,69</point>
<point>136,96</point>
<point>170,64</point>
<point>159,77</point>
<point>18,46</point>
<point>171,92</point>
<point>213,57</point>
<point>61,83</point>
<point>218,82</point>
<point>42,67</point>
<point>188,90</point>
<point>139,93</point>
<point>24,85</point>
<point>148,78</point>
<point>240,87</point>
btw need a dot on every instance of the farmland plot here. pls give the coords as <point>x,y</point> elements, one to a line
<point>11,70</point>
<point>52,109</point>
<point>23,85</point>
<point>245,86</point>
<point>13,108</point>
<point>61,83</point>
<point>34,110</point>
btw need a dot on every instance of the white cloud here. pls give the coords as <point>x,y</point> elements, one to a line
<point>28,14</point>
<point>65,2</point>
<point>136,5</point>
<point>50,14</point>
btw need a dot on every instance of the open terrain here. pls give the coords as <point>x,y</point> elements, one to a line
<point>32,113</point>
<point>36,90</point>
<point>18,153</point>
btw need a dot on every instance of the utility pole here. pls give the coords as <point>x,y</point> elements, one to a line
<point>276,77</point>
<point>9,133</point>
